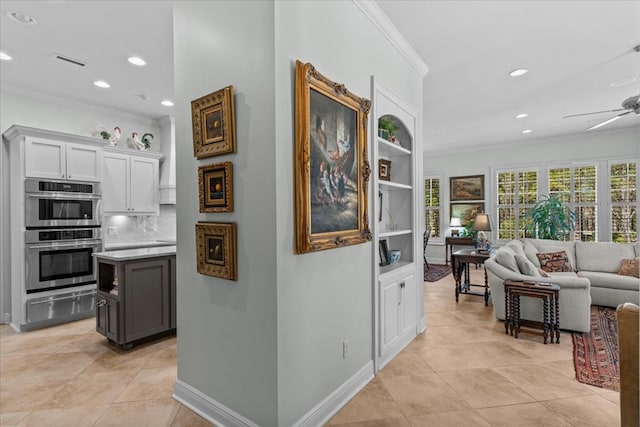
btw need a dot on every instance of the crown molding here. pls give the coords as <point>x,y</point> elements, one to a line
<point>372,11</point>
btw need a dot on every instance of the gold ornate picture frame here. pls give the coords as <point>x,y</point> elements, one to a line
<point>331,166</point>
<point>215,187</point>
<point>213,122</point>
<point>466,188</point>
<point>216,249</point>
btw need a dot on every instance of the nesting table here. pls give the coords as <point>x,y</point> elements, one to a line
<point>548,293</point>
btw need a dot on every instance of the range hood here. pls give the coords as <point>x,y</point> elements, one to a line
<point>168,166</point>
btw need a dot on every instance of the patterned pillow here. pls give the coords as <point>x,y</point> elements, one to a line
<point>630,267</point>
<point>554,262</point>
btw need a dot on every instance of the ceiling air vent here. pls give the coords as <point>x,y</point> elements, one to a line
<point>69,60</point>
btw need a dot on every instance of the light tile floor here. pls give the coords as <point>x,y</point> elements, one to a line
<point>463,371</point>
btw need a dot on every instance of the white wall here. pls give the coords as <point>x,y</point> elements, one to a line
<point>227,331</point>
<point>324,297</point>
<point>616,144</point>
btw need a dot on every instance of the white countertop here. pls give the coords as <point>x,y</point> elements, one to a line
<point>140,253</point>
<point>141,244</point>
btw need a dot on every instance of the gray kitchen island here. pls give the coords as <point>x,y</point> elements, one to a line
<point>136,297</point>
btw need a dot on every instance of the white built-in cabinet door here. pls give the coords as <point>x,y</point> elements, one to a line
<point>116,184</point>
<point>84,162</point>
<point>144,185</point>
<point>45,159</point>
<point>130,185</point>
<point>398,312</point>
<point>62,160</point>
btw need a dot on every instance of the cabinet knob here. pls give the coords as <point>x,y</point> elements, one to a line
<point>102,303</point>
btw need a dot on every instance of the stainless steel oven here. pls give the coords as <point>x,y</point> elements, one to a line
<point>61,258</point>
<point>62,204</point>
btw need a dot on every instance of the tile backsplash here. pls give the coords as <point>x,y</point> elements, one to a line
<point>124,229</point>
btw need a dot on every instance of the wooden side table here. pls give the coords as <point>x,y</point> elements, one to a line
<point>450,242</point>
<point>460,261</point>
<point>549,293</point>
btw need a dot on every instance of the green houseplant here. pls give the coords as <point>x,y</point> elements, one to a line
<point>386,124</point>
<point>550,218</point>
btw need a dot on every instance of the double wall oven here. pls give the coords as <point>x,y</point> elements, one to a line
<point>63,231</point>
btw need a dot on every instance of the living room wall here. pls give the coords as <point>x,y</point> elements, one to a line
<point>605,144</point>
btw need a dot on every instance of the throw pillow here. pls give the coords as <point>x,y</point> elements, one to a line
<point>554,262</point>
<point>516,247</point>
<point>630,267</point>
<point>526,267</point>
<point>506,258</point>
<point>531,251</point>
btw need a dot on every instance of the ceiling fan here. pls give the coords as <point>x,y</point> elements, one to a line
<point>632,104</point>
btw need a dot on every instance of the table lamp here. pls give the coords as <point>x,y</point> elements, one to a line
<point>455,222</point>
<point>481,224</point>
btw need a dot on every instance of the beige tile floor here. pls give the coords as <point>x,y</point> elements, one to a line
<point>463,371</point>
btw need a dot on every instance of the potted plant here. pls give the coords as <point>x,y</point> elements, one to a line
<point>386,128</point>
<point>550,218</point>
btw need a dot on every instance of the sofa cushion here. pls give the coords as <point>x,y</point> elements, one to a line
<point>531,251</point>
<point>599,279</point>
<point>554,249</point>
<point>630,267</point>
<point>602,256</point>
<point>526,267</point>
<point>547,245</point>
<point>506,258</point>
<point>554,261</point>
<point>516,247</point>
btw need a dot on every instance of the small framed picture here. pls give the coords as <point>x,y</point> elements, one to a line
<point>383,249</point>
<point>384,169</point>
<point>216,249</point>
<point>213,123</point>
<point>215,185</point>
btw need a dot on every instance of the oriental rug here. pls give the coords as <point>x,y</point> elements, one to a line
<point>595,354</point>
<point>435,272</point>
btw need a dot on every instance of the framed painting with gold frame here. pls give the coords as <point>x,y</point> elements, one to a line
<point>213,123</point>
<point>331,166</point>
<point>215,187</point>
<point>216,249</point>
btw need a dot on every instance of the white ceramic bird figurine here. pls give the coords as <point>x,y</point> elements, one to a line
<point>115,136</point>
<point>136,141</point>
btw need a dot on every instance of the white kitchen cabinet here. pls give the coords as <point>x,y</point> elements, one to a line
<point>62,160</point>
<point>397,224</point>
<point>131,182</point>
<point>397,312</point>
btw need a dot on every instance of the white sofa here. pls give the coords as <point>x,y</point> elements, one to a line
<point>593,278</point>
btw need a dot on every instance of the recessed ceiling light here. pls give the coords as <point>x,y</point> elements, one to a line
<point>137,61</point>
<point>21,17</point>
<point>623,82</point>
<point>102,84</point>
<point>5,57</point>
<point>518,72</point>
<point>167,103</point>
<point>527,131</point>
<point>521,116</point>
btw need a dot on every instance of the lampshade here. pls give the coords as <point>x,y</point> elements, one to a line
<point>455,222</point>
<point>481,223</point>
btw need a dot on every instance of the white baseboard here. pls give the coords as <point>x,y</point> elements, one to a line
<point>436,260</point>
<point>220,415</point>
<point>331,404</point>
<point>207,408</point>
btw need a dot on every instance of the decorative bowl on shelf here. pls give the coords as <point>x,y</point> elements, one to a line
<point>394,256</point>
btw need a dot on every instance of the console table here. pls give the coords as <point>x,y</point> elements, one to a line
<point>450,242</point>
<point>548,293</point>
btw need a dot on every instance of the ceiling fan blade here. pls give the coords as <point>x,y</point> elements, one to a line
<point>595,112</point>
<point>606,122</point>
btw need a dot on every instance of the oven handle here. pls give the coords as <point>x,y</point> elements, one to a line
<point>80,243</point>
<point>69,196</point>
<point>49,299</point>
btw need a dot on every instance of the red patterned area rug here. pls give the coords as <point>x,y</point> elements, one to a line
<point>435,272</point>
<point>595,354</point>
